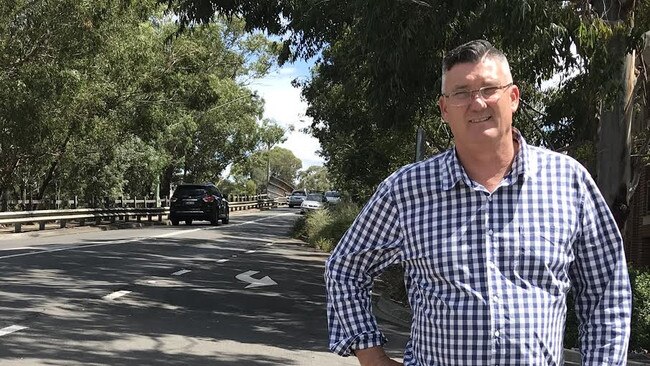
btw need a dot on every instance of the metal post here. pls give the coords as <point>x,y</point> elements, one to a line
<point>420,144</point>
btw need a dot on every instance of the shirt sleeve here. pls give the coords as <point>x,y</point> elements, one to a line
<point>601,283</point>
<point>367,248</point>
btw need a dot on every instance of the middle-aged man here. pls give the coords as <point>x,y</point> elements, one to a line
<point>492,235</point>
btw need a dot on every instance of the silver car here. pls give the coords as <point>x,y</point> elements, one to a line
<point>296,198</point>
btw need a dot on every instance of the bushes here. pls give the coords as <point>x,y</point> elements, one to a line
<point>324,228</point>
<point>640,338</point>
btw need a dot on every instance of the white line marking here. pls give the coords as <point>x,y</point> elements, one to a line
<point>11,329</point>
<point>173,233</point>
<point>116,294</point>
<point>123,241</point>
<point>269,244</point>
<point>251,251</point>
<point>222,261</point>
<point>181,272</point>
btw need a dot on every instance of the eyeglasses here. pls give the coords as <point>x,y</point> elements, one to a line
<point>464,97</point>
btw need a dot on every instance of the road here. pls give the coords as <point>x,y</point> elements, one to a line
<point>236,294</point>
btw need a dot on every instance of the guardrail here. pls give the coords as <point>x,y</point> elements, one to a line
<point>98,215</point>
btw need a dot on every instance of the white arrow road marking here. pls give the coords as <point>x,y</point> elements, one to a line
<point>248,277</point>
<point>11,329</point>
<point>181,272</point>
<point>116,294</point>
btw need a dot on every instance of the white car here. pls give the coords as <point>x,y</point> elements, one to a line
<point>333,197</point>
<point>313,201</point>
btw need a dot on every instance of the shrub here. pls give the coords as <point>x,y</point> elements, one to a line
<point>324,228</point>
<point>640,334</point>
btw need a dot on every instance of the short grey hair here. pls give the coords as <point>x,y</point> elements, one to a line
<point>473,52</point>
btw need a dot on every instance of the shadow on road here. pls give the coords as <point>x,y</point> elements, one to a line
<point>205,317</point>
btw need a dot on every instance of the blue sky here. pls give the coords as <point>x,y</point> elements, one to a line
<point>284,105</point>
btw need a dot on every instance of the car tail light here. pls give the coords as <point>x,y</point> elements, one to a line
<point>208,198</point>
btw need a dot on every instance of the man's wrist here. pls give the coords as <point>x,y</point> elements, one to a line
<point>372,356</point>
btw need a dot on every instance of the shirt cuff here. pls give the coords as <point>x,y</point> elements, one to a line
<point>346,347</point>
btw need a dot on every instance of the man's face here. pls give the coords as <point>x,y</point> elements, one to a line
<point>480,121</point>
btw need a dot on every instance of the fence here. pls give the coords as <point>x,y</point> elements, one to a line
<point>148,209</point>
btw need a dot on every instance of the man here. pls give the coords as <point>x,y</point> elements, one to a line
<point>492,235</point>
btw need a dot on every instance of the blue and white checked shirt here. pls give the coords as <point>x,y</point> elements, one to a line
<point>487,274</point>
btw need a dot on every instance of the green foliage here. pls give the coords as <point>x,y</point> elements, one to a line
<point>640,334</point>
<point>324,228</point>
<point>314,178</point>
<point>105,99</point>
<point>258,167</point>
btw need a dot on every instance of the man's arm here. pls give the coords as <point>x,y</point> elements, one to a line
<point>371,244</point>
<point>375,356</point>
<point>601,283</point>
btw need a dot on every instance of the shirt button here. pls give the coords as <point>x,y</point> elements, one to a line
<point>497,334</point>
<point>489,198</point>
<point>495,298</point>
<point>490,232</point>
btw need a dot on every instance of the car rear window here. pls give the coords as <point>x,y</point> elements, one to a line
<point>300,193</point>
<point>332,194</point>
<point>189,191</point>
<point>315,197</point>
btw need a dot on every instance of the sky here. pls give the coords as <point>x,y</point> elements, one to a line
<point>284,105</point>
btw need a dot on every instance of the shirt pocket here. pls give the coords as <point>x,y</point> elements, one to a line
<point>544,259</point>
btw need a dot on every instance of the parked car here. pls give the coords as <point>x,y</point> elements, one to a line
<point>296,198</point>
<point>198,202</point>
<point>333,197</point>
<point>313,201</point>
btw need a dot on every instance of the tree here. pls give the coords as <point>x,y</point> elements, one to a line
<point>281,163</point>
<point>104,99</point>
<point>314,178</point>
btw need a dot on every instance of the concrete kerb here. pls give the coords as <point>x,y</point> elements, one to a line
<point>390,311</point>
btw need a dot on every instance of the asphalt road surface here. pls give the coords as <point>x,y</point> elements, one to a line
<point>236,294</point>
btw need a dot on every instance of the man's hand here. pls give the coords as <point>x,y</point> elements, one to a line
<point>375,356</point>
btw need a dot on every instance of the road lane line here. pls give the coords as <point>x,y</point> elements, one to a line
<point>123,241</point>
<point>116,294</point>
<point>222,261</point>
<point>181,272</point>
<point>251,251</point>
<point>173,233</point>
<point>11,329</point>
<point>66,248</point>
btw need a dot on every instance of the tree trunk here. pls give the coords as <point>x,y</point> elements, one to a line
<point>55,163</point>
<point>614,170</point>
<point>166,180</point>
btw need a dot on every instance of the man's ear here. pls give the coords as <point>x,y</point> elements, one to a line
<point>514,98</point>
<point>442,103</point>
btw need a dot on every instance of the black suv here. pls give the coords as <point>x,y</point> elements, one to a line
<point>198,202</point>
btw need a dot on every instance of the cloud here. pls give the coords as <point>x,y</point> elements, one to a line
<point>284,105</point>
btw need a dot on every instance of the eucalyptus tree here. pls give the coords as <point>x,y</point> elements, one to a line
<point>314,178</point>
<point>45,53</point>
<point>278,162</point>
